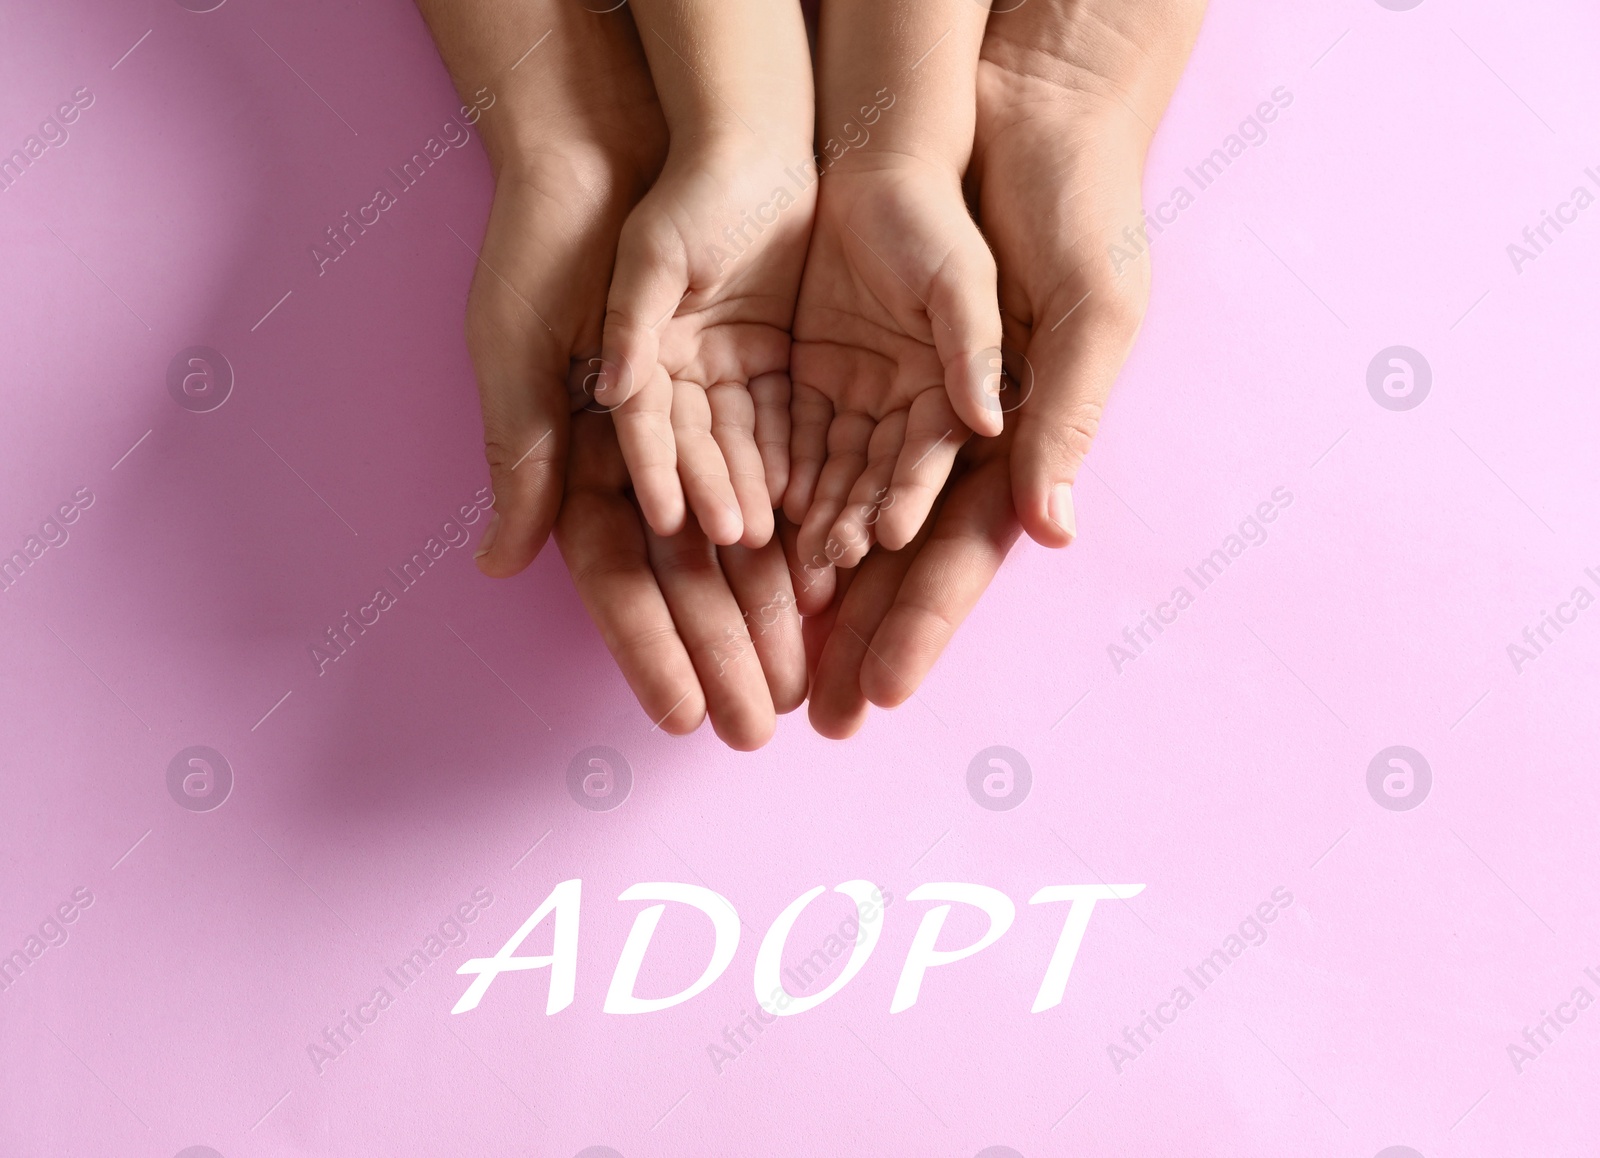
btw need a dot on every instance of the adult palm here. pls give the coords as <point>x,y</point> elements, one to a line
<point>574,141</point>
<point>1067,95</point>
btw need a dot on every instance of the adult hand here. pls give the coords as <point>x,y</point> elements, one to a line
<point>1068,95</point>
<point>697,629</point>
<point>575,137</point>
<point>1068,98</point>
<point>873,634</point>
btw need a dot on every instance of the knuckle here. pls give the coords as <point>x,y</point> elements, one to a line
<point>1118,305</point>
<point>1068,436</point>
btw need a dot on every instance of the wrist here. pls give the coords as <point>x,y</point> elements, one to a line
<point>1098,56</point>
<point>714,135</point>
<point>877,134</point>
<point>726,69</point>
<point>898,77</point>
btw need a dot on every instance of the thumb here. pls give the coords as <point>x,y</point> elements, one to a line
<point>525,442</point>
<point>1072,366</point>
<point>650,278</point>
<point>964,302</point>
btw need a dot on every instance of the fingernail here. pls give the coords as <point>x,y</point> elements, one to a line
<point>614,383</point>
<point>486,544</point>
<point>988,367</point>
<point>1061,510</point>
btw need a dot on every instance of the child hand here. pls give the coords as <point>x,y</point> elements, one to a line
<point>696,346</point>
<point>897,336</point>
<point>897,331</point>
<point>695,355</point>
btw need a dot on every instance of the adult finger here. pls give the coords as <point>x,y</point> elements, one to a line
<point>814,579</point>
<point>712,628</point>
<point>839,704</point>
<point>1078,346</point>
<point>973,531</point>
<point>521,366</point>
<point>602,539</point>
<point>761,584</point>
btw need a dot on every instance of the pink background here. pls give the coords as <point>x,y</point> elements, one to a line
<point>1229,759</point>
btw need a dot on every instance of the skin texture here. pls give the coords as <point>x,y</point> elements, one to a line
<point>897,315</point>
<point>575,137</point>
<point>697,631</point>
<point>696,347</point>
<point>1067,97</point>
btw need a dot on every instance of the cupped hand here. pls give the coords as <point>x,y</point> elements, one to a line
<point>873,634</point>
<point>696,349</point>
<point>697,629</point>
<point>897,339</point>
<point>1068,98</point>
<point>574,144</point>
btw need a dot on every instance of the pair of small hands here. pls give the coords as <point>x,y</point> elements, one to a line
<point>704,614</point>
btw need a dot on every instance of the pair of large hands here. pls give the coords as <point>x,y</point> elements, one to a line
<point>705,630</point>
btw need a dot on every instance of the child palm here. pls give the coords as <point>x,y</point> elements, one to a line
<point>895,360</point>
<point>696,347</point>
